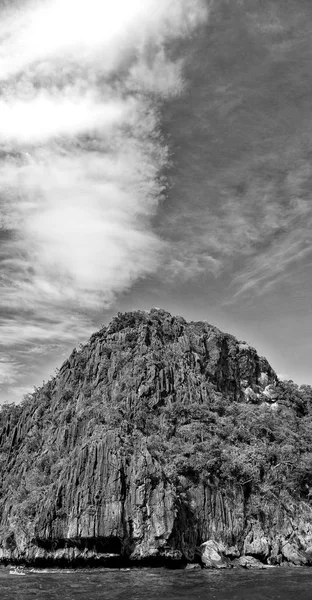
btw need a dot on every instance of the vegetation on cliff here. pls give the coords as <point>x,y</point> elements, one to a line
<point>152,438</point>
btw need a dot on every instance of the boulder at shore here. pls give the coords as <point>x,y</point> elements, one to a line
<point>212,555</point>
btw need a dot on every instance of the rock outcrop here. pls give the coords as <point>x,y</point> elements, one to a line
<point>212,556</point>
<point>154,438</point>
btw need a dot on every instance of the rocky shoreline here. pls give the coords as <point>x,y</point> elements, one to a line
<point>210,555</point>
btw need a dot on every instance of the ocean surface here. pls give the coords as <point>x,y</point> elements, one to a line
<point>158,584</point>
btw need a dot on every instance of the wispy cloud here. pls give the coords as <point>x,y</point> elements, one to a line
<point>255,236</point>
<point>274,265</point>
<point>280,232</point>
<point>8,370</point>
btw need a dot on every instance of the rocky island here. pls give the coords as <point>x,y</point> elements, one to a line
<point>159,442</point>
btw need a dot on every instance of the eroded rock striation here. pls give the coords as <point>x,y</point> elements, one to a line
<point>158,442</point>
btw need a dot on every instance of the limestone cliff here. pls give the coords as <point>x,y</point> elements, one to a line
<point>153,438</point>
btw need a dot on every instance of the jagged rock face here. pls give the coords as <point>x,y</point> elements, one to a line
<point>157,356</point>
<point>120,454</point>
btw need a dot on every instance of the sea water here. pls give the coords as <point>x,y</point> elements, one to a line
<point>157,584</point>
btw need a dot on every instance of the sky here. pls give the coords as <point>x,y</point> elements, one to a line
<point>154,153</point>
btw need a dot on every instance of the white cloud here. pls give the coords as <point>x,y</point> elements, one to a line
<point>92,31</point>
<point>283,376</point>
<point>50,116</point>
<point>81,176</point>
